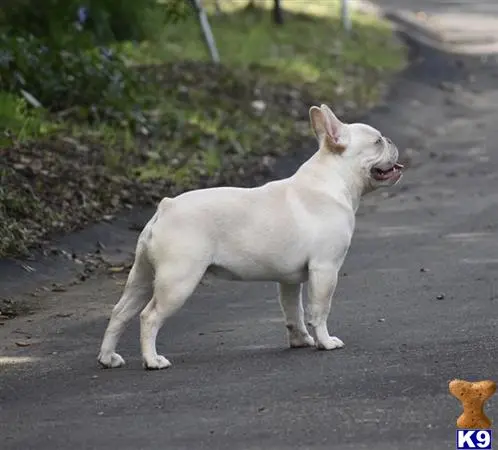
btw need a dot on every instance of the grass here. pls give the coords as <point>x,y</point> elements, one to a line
<point>19,120</point>
<point>206,124</point>
<point>311,48</point>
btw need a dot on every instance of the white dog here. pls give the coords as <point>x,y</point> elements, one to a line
<point>290,231</point>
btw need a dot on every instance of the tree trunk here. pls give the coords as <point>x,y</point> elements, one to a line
<point>277,13</point>
<point>217,7</point>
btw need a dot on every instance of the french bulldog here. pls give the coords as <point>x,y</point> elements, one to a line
<point>290,231</point>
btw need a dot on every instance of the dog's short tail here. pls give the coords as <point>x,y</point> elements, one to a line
<point>147,232</point>
<point>164,204</point>
<point>161,207</point>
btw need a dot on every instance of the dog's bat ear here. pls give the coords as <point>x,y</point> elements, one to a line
<point>334,124</point>
<point>327,128</point>
<point>317,122</point>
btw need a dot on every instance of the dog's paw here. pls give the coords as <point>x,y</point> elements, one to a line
<point>110,361</point>
<point>331,343</point>
<point>299,337</point>
<point>301,340</point>
<point>157,363</point>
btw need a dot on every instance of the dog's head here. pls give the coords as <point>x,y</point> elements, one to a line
<point>373,157</point>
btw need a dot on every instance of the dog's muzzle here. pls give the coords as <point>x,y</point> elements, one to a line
<point>388,173</point>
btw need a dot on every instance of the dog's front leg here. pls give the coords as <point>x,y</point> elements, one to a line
<point>321,287</point>
<point>291,301</point>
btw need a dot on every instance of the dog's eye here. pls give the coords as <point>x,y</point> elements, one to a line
<point>378,141</point>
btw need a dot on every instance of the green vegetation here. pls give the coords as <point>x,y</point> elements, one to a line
<point>310,49</point>
<point>93,122</point>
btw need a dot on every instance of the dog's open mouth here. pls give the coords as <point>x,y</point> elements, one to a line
<point>385,174</point>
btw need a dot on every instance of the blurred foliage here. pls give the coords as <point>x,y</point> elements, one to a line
<point>95,83</point>
<point>102,20</point>
<point>17,119</point>
<point>62,56</point>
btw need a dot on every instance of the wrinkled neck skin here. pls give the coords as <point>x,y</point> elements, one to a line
<point>338,176</point>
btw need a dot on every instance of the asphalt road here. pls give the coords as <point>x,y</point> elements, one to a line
<point>467,26</point>
<point>417,305</point>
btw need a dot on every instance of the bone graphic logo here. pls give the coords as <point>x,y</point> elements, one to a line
<point>473,396</point>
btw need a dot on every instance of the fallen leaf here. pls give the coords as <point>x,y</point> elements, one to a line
<point>58,288</point>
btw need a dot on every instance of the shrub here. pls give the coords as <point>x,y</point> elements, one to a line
<point>104,20</point>
<point>60,54</point>
<point>95,83</point>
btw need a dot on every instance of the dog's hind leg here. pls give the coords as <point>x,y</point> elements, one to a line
<point>137,291</point>
<point>290,296</point>
<point>174,283</point>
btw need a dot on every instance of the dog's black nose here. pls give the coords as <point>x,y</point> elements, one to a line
<point>389,141</point>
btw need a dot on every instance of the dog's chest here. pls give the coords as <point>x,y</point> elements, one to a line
<point>258,272</point>
<point>222,273</point>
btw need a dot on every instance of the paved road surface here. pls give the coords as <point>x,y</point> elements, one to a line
<point>417,305</point>
<point>465,26</point>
